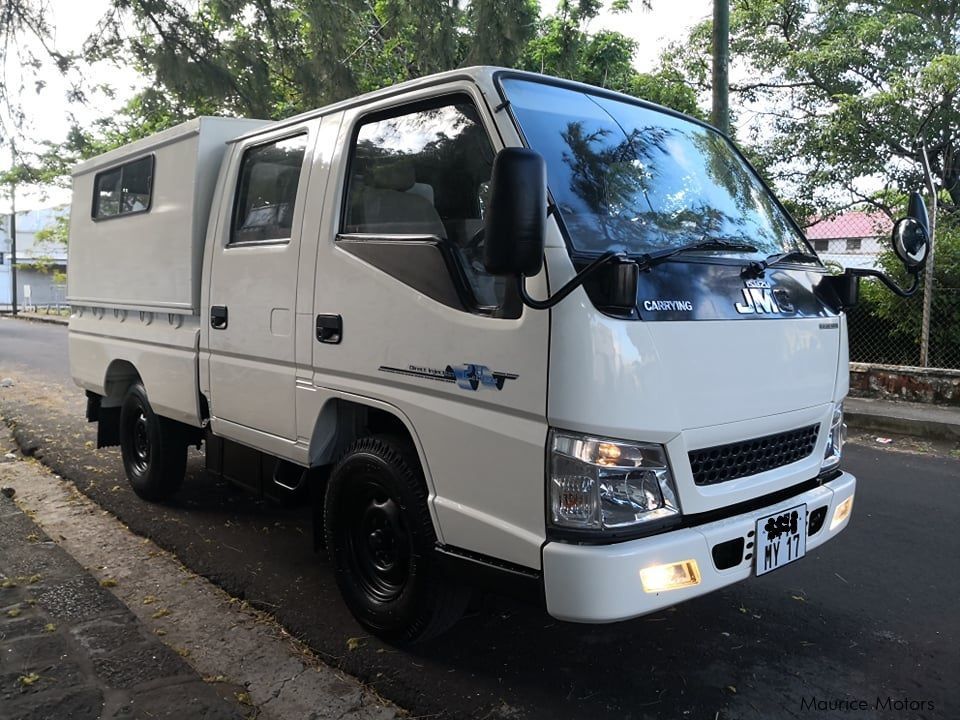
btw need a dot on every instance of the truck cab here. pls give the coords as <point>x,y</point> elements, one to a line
<point>499,328</point>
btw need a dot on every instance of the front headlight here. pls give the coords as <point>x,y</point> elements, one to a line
<point>601,484</point>
<point>838,434</point>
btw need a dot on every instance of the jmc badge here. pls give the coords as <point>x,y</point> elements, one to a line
<point>760,299</point>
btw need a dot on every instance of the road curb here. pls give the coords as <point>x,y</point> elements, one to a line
<point>902,424</point>
<point>36,318</point>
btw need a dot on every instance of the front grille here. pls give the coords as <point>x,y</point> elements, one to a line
<point>728,462</point>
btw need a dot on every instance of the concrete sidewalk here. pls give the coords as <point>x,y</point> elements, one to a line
<point>36,317</point>
<point>102,623</point>
<point>70,649</point>
<point>904,418</point>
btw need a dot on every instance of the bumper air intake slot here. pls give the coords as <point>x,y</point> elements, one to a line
<point>815,521</point>
<point>728,554</point>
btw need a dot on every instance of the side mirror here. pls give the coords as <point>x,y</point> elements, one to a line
<point>911,243</point>
<point>516,216</point>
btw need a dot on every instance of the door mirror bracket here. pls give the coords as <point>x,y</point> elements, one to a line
<point>910,240</point>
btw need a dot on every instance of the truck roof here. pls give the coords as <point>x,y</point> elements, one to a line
<point>162,138</point>
<point>474,73</point>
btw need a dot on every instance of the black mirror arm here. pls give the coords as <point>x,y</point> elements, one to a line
<point>574,283</point>
<point>885,279</point>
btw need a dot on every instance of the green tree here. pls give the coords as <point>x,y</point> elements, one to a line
<point>564,47</point>
<point>842,90</point>
<point>902,319</point>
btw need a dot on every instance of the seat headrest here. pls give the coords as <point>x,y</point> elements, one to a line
<point>396,175</point>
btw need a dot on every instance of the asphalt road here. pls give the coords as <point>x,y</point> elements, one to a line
<point>870,615</point>
<point>35,347</point>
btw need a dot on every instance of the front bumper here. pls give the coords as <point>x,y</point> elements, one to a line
<point>601,583</point>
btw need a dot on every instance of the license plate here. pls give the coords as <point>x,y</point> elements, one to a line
<point>781,538</point>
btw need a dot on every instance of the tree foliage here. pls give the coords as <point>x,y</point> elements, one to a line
<point>843,89</point>
<point>259,58</point>
<point>902,319</point>
<point>274,58</point>
<point>564,47</point>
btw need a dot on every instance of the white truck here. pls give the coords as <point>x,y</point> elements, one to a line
<point>500,329</point>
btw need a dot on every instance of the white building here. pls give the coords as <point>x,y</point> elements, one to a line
<point>854,239</point>
<point>36,261</point>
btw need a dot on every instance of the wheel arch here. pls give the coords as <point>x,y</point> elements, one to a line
<point>345,418</point>
<point>120,375</point>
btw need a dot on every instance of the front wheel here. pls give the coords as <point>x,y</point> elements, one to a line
<point>154,449</point>
<point>380,538</point>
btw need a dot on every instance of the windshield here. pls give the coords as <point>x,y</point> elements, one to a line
<point>636,180</point>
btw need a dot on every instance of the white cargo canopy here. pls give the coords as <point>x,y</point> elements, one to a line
<point>150,260</point>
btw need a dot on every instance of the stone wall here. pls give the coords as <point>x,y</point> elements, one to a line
<point>891,382</point>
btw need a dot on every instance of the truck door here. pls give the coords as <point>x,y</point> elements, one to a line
<point>253,283</point>
<point>422,327</point>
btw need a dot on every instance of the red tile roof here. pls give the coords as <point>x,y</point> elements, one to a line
<point>851,225</point>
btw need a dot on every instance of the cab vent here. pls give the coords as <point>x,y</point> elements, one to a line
<point>728,462</point>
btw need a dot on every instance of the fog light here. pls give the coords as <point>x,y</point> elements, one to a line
<point>842,512</point>
<point>670,577</point>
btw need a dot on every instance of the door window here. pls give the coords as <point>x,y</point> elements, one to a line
<point>425,171</point>
<point>267,190</point>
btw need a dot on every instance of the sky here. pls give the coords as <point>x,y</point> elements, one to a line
<point>73,21</point>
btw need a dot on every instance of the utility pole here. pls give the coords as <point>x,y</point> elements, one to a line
<point>13,248</point>
<point>720,112</point>
<point>928,270</point>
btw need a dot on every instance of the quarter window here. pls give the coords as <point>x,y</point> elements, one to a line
<point>123,190</point>
<point>267,190</point>
<point>426,172</point>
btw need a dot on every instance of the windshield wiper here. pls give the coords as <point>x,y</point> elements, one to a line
<point>757,268</point>
<point>648,260</point>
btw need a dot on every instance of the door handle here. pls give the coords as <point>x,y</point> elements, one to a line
<point>329,329</point>
<point>218,317</point>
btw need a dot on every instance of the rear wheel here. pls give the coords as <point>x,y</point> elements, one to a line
<point>381,538</point>
<point>154,449</point>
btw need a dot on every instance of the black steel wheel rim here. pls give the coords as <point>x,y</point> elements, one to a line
<point>140,442</point>
<point>378,543</point>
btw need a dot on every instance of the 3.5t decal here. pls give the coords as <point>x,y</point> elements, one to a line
<point>468,376</point>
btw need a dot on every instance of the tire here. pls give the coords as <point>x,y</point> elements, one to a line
<point>154,449</point>
<point>380,539</point>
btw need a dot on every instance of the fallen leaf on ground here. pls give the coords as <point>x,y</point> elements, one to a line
<point>108,583</point>
<point>28,680</point>
<point>162,612</point>
<point>353,643</point>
